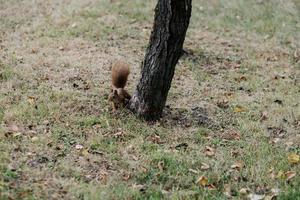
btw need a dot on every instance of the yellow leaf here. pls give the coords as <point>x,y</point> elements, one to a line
<point>239,109</point>
<point>202,181</point>
<point>293,158</point>
<point>280,175</point>
<point>85,152</point>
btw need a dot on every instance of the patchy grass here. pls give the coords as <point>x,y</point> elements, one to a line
<point>233,105</point>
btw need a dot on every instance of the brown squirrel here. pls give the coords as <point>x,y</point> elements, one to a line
<point>118,96</point>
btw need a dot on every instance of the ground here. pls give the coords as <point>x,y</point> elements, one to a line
<point>231,127</point>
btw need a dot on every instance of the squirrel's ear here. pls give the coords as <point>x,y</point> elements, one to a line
<point>115,92</point>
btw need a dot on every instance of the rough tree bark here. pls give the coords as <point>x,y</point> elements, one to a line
<point>171,22</point>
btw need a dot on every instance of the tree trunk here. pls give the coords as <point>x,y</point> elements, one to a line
<point>171,22</point>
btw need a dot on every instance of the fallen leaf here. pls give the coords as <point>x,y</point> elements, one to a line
<point>243,78</point>
<point>139,187</point>
<point>238,165</point>
<point>202,181</point>
<point>34,50</point>
<point>264,115</point>
<point>293,158</point>
<point>204,166</point>
<point>272,175</point>
<point>235,152</point>
<point>31,100</point>
<point>85,152</point>
<point>256,197</point>
<point>270,197</point>
<point>275,191</point>
<point>78,147</point>
<point>34,139</point>
<point>120,134</point>
<point>280,175</point>
<point>125,177</point>
<point>275,141</point>
<point>297,55</point>
<point>210,187</point>
<point>244,191</point>
<point>209,151</point>
<point>227,190</point>
<point>231,135</point>
<point>13,128</point>
<point>17,134</point>
<point>155,139</point>
<point>223,103</point>
<point>239,109</point>
<point>193,171</point>
<point>289,175</point>
<point>74,25</point>
<point>161,165</point>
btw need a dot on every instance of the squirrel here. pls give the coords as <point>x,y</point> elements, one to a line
<point>118,96</point>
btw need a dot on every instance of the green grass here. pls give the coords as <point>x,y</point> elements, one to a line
<point>59,139</point>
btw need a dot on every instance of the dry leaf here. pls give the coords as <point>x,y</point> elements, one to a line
<point>227,190</point>
<point>272,175</point>
<point>204,166</point>
<point>223,103</point>
<point>202,181</point>
<point>211,187</point>
<point>264,115</point>
<point>256,197</point>
<point>275,141</point>
<point>209,151</point>
<point>85,152</point>
<point>243,78</point>
<point>78,147</point>
<point>235,152</point>
<point>244,191</point>
<point>237,165</point>
<point>239,109</point>
<point>34,139</point>
<point>13,128</point>
<point>74,25</point>
<point>280,175</point>
<point>270,197</point>
<point>125,177</point>
<point>120,134</point>
<point>289,175</point>
<point>193,171</point>
<point>293,158</point>
<point>31,100</point>
<point>161,165</point>
<point>231,135</point>
<point>17,134</point>
<point>297,55</point>
<point>275,191</point>
<point>139,187</point>
<point>154,138</point>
